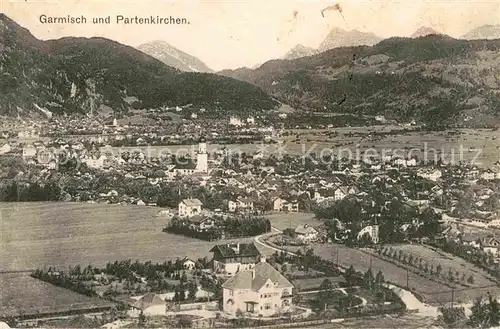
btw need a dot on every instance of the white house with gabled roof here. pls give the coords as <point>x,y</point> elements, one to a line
<point>190,207</point>
<point>260,291</point>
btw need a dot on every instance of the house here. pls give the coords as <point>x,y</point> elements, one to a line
<point>489,174</point>
<point>306,233</point>
<point>5,149</point>
<point>240,204</point>
<point>29,152</point>
<point>232,258</point>
<point>260,291</point>
<point>190,207</point>
<point>235,121</point>
<point>342,191</point>
<point>149,304</point>
<point>491,245</point>
<point>188,264</point>
<point>201,223</point>
<point>432,175</point>
<point>280,204</point>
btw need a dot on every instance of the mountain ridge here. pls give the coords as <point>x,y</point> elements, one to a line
<point>174,57</point>
<point>338,37</point>
<point>487,31</point>
<point>433,79</point>
<point>299,51</point>
<point>424,31</point>
<point>74,75</point>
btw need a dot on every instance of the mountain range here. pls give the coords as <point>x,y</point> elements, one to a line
<point>71,75</point>
<point>433,79</point>
<point>338,37</point>
<point>174,57</point>
<point>483,32</point>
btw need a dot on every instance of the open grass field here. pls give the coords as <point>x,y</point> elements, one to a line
<point>22,294</point>
<point>433,292</point>
<point>282,220</point>
<point>61,234</point>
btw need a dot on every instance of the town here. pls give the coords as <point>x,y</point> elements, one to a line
<point>326,167</point>
<point>285,217</point>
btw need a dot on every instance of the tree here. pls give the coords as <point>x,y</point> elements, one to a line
<point>478,313</point>
<point>325,294</point>
<point>183,278</point>
<point>470,280</point>
<point>368,279</point>
<point>185,322</point>
<point>379,279</point>
<point>142,319</point>
<point>192,288</point>
<point>349,275</point>
<point>485,313</point>
<point>438,269</point>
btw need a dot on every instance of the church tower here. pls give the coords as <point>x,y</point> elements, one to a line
<point>202,157</point>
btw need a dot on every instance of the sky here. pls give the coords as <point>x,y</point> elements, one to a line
<point>227,34</point>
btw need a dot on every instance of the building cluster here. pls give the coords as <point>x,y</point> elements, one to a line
<point>251,285</point>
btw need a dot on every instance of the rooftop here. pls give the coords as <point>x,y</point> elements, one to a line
<point>256,278</point>
<point>237,249</point>
<point>192,202</point>
<point>148,300</point>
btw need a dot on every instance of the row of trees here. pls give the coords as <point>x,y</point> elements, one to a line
<point>453,276</point>
<point>62,280</point>
<point>126,273</point>
<point>14,191</point>
<point>471,254</point>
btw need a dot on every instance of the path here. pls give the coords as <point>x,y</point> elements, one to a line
<point>412,303</point>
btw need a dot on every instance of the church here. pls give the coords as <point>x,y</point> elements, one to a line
<point>201,165</point>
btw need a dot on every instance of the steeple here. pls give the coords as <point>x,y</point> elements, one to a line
<point>202,157</point>
<point>202,146</point>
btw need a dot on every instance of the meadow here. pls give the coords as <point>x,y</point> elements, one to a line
<point>22,294</point>
<point>432,291</point>
<point>39,234</point>
<point>447,262</point>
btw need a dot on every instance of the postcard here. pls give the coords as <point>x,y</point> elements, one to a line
<point>239,164</point>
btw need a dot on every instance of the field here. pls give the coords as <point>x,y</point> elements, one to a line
<point>433,292</point>
<point>283,221</point>
<point>62,234</point>
<point>447,261</point>
<point>21,294</point>
<point>463,145</point>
